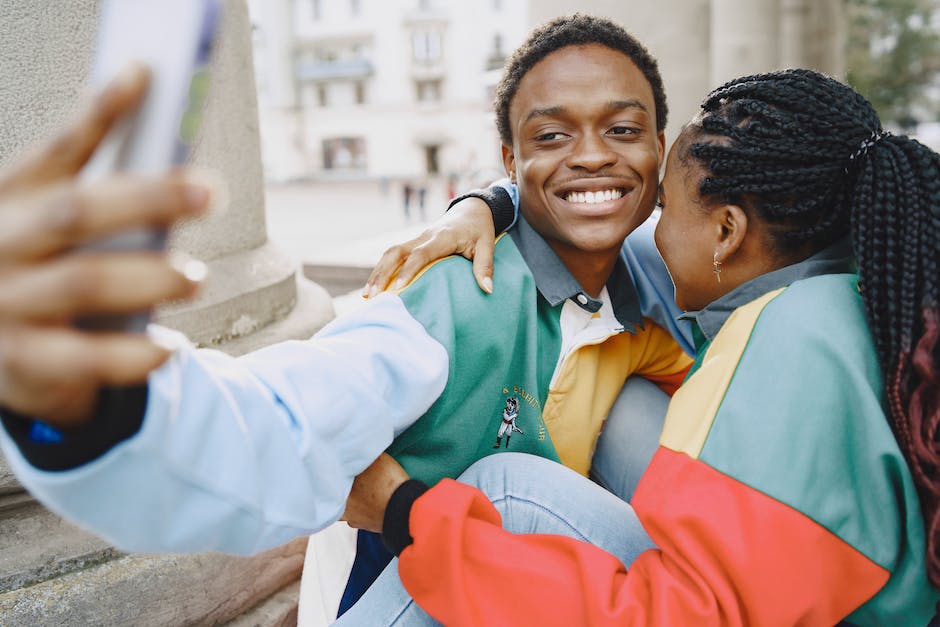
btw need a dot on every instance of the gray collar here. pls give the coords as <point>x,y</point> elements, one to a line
<point>556,284</point>
<point>835,259</point>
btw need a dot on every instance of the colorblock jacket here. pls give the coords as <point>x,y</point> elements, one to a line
<point>243,454</point>
<point>778,495</point>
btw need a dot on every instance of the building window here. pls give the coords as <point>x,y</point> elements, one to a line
<point>315,9</point>
<point>496,58</point>
<point>355,7</point>
<point>344,153</point>
<point>323,98</point>
<point>426,45</point>
<point>429,90</point>
<point>432,159</point>
<point>360,92</point>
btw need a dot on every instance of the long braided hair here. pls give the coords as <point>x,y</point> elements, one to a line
<point>808,155</point>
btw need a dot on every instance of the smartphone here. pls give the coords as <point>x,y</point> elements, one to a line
<point>173,38</point>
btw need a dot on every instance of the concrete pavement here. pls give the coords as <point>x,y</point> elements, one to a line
<point>344,223</point>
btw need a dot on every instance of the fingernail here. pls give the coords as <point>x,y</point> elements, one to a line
<point>366,290</point>
<point>487,285</point>
<point>373,291</point>
<point>399,284</point>
<point>194,270</point>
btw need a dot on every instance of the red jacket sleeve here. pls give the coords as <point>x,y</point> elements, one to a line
<point>714,566</point>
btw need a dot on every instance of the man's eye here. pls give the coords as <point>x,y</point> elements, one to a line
<point>547,137</point>
<point>622,130</point>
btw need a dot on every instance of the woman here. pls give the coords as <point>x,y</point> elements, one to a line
<point>796,480</point>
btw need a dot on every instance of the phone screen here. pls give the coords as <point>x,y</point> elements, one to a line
<point>174,39</point>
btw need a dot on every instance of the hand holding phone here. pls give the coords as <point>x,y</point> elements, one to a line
<point>173,38</point>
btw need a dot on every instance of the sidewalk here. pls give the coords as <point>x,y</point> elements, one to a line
<point>343,223</point>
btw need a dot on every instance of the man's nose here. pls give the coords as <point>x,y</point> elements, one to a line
<point>592,153</point>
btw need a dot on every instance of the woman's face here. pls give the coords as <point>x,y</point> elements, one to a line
<point>687,235</point>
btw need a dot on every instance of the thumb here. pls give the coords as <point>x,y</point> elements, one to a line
<point>483,264</point>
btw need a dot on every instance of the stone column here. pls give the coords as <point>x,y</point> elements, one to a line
<point>50,571</point>
<point>744,38</point>
<point>813,34</point>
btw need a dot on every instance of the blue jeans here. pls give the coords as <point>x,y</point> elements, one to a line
<point>630,437</point>
<point>560,501</point>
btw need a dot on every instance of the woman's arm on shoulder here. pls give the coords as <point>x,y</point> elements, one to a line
<point>468,228</point>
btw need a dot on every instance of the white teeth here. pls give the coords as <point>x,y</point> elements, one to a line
<point>593,197</point>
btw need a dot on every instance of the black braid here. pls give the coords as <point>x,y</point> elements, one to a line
<point>807,155</point>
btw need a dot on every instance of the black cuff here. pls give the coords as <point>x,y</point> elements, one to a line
<point>118,417</point>
<point>498,200</point>
<point>395,533</point>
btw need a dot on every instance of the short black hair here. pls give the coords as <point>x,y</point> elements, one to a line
<point>574,30</point>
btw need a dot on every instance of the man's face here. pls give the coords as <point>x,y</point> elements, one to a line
<point>585,151</point>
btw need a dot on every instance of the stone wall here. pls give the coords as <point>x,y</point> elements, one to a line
<point>52,573</point>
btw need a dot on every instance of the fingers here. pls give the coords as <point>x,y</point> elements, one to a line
<point>420,257</point>
<point>387,266</point>
<point>66,215</point>
<point>483,252</point>
<point>68,151</point>
<point>76,285</point>
<point>54,374</point>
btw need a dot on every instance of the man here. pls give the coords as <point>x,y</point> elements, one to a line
<point>243,454</point>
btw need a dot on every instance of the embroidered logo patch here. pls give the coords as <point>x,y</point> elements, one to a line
<point>507,425</point>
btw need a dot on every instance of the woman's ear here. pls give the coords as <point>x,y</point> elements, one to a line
<point>731,226</point>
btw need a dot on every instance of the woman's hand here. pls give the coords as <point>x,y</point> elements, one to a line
<point>50,368</point>
<point>365,507</point>
<point>467,229</point>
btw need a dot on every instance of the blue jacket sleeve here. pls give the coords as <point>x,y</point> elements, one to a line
<point>243,454</point>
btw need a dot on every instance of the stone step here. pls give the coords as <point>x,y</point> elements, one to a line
<point>157,590</point>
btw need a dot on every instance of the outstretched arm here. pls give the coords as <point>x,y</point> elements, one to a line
<point>150,443</point>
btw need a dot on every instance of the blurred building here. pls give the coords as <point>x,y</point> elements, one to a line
<point>401,89</point>
<point>381,89</point>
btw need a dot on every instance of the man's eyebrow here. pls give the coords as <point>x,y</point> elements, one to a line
<point>545,112</point>
<point>632,103</point>
<point>613,105</point>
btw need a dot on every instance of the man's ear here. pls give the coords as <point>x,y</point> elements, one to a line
<point>509,162</point>
<point>730,223</point>
<point>661,147</point>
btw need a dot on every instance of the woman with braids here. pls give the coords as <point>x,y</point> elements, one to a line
<point>796,479</point>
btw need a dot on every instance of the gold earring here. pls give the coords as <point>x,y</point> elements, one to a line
<point>717,269</point>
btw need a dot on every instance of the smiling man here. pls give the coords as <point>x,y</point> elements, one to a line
<point>580,111</point>
<point>243,454</point>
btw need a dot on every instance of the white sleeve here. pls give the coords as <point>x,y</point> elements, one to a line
<point>243,454</point>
